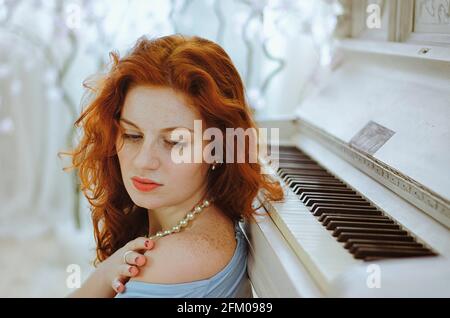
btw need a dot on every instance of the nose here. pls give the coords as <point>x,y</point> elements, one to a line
<point>147,158</point>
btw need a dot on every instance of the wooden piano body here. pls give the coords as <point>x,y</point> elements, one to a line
<point>381,125</point>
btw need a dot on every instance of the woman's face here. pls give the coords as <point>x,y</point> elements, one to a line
<point>148,117</point>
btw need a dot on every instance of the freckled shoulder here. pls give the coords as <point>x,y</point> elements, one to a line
<point>188,256</point>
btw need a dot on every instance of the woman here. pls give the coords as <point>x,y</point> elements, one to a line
<point>147,243</point>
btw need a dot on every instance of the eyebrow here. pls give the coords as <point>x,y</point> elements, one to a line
<point>164,129</point>
<point>129,123</point>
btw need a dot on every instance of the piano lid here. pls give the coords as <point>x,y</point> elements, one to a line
<point>394,111</point>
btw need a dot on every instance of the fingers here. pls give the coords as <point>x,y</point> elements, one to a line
<point>134,258</point>
<point>118,286</point>
<point>125,272</point>
<point>131,258</point>
<point>128,270</point>
<point>140,243</point>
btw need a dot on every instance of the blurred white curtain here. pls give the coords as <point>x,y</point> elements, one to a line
<point>35,194</point>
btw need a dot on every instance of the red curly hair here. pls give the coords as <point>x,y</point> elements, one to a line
<point>203,72</point>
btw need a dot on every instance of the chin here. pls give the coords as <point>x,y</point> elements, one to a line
<point>148,204</point>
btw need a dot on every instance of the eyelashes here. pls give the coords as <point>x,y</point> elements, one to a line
<point>137,138</point>
<point>171,143</point>
<point>133,138</point>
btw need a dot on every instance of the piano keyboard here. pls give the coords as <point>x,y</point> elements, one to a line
<point>363,230</point>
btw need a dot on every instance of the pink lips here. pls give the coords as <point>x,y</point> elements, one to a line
<point>144,185</point>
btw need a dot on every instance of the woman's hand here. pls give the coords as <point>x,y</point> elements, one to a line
<point>125,262</point>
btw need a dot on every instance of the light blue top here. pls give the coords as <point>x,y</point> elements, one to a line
<point>231,282</point>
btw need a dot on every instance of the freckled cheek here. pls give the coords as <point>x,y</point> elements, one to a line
<point>125,156</point>
<point>185,174</point>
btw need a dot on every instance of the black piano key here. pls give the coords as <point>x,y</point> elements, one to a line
<point>286,150</point>
<point>308,201</point>
<point>286,175</point>
<point>308,196</point>
<point>345,229</point>
<point>345,236</point>
<point>308,179</point>
<point>296,186</point>
<point>349,205</point>
<point>302,167</point>
<point>307,173</point>
<point>283,170</point>
<point>299,164</point>
<point>338,196</point>
<point>300,175</point>
<point>356,247</point>
<point>334,224</point>
<point>346,210</point>
<point>295,182</point>
<point>326,218</point>
<point>291,157</point>
<point>333,195</point>
<point>352,242</point>
<point>340,203</point>
<point>283,154</point>
<point>297,158</point>
<point>303,174</point>
<point>336,186</point>
<point>375,253</point>
<point>294,158</point>
<point>300,192</point>
<point>300,180</point>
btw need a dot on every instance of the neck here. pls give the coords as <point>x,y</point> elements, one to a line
<point>164,218</point>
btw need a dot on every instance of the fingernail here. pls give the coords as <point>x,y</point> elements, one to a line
<point>147,243</point>
<point>130,269</point>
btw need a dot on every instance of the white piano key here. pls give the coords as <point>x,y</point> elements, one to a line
<point>323,255</point>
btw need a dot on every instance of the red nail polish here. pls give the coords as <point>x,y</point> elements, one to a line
<point>147,243</point>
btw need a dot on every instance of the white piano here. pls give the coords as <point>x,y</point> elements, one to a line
<point>365,166</point>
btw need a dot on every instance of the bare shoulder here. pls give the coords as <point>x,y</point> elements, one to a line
<point>189,255</point>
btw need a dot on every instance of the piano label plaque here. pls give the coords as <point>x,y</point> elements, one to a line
<point>371,138</point>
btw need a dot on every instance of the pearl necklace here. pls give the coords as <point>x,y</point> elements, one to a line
<point>184,222</point>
